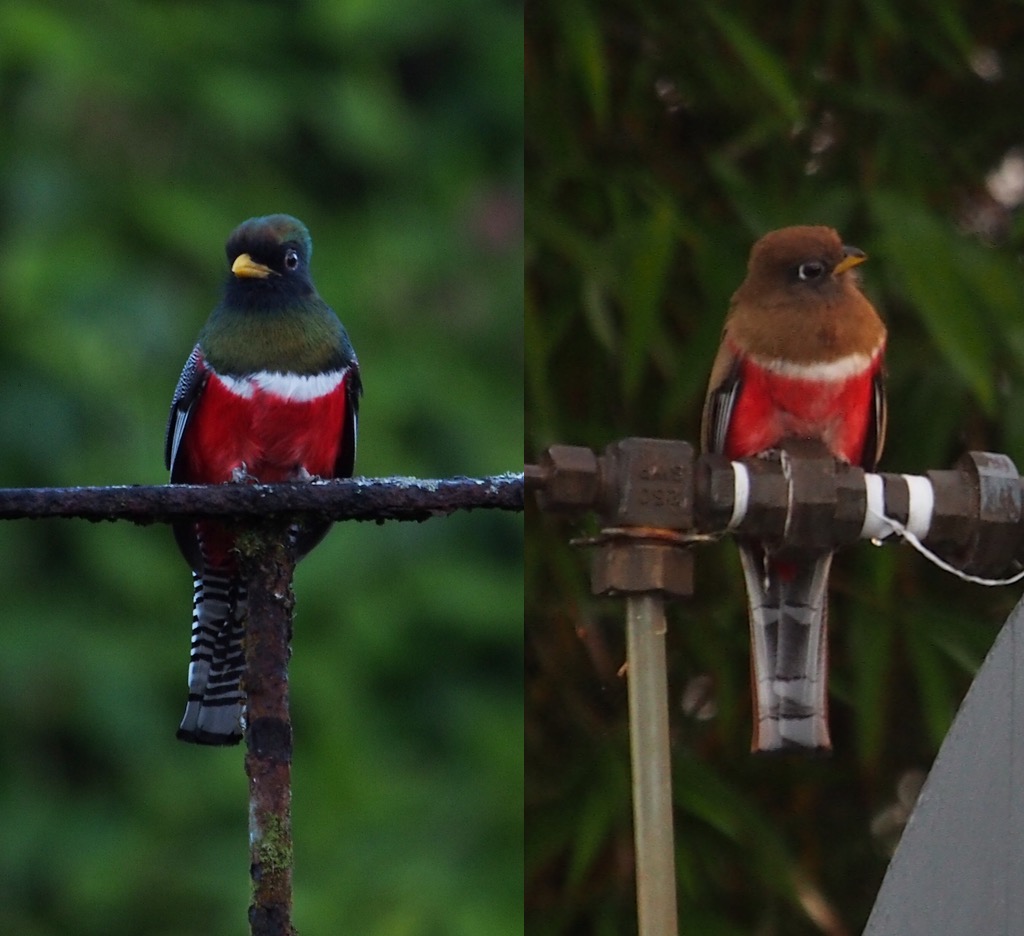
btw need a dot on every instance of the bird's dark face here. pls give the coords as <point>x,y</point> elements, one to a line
<point>269,260</point>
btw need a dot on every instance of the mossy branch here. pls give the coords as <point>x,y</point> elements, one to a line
<point>267,565</point>
<point>349,499</point>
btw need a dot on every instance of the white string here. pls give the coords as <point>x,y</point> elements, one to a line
<point>903,532</point>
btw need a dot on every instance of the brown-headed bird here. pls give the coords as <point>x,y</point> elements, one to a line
<point>801,357</point>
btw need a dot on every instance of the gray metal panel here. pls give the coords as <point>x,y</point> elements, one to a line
<point>959,867</point>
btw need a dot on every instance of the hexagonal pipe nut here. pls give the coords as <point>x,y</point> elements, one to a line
<point>571,478</point>
<point>626,567</point>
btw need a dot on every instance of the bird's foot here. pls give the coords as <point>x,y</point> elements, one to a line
<point>240,475</point>
<point>302,474</point>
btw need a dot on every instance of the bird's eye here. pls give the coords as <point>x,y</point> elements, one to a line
<point>810,270</point>
<point>291,259</point>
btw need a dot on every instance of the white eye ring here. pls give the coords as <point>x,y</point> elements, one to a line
<point>811,270</point>
<point>291,259</point>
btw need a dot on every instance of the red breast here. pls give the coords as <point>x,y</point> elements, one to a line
<point>772,407</point>
<point>275,425</point>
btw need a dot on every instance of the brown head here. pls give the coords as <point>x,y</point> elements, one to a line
<point>801,301</point>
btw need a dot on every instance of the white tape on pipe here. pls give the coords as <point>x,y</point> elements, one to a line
<point>876,527</point>
<point>740,494</point>
<point>922,505</point>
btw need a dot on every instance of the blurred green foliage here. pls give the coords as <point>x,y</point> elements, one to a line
<point>663,138</point>
<point>135,137</point>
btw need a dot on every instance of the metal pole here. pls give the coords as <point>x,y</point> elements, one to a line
<point>652,778</point>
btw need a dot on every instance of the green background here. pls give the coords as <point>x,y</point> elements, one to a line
<point>663,138</point>
<point>135,137</point>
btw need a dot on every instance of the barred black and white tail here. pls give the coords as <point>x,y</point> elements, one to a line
<point>789,647</point>
<point>215,712</point>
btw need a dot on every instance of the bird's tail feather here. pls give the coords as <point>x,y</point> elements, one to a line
<point>215,712</point>
<point>789,648</point>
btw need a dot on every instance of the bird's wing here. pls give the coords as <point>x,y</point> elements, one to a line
<point>346,462</point>
<point>190,385</point>
<point>874,440</point>
<point>723,388</point>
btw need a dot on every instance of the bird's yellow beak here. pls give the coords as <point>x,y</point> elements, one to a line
<point>852,256</point>
<point>245,266</point>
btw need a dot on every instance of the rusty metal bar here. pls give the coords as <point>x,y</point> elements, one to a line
<point>800,497</point>
<point>342,499</point>
<point>654,499</point>
<point>267,564</point>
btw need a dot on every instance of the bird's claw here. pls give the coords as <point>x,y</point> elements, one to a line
<point>240,475</point>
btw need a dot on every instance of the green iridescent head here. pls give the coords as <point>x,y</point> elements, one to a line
<point>271,317</point>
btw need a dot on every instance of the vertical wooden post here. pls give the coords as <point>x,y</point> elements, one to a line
<point>268,563</point>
